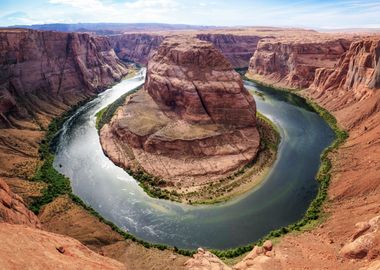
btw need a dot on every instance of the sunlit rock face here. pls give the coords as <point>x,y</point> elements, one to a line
<point>292,63</point>
<point>193,122</point>
<point>42,73</point>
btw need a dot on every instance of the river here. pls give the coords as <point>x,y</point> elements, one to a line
<point>282,198</point>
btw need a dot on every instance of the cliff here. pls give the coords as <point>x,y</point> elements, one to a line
<point>349,237</point>
<point>238,49</point>
<point>43,73</point>
<point>136,47</point>
<point>139,47</point>
<point>356,76</point>
<point>291,63</point>
<point>193,122</point>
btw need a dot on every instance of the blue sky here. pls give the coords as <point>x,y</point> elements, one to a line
<point>307,13</point>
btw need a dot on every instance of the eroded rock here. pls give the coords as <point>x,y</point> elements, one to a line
<point>193,122</point>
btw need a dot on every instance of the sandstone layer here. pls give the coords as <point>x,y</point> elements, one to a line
<point>291,63</point>
<point>43,74</point>
<point>348,238</point>
<point>13,210</point>
<point>193,122</point>
<point>238,49</point>
<point>136,47</point>
<point>139,47</point>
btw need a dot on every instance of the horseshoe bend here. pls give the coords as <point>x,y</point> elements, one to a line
<point>173,146</point>
<point>191,125</point>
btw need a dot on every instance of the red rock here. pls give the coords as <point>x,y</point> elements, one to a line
<point>292,63</point>
<point>139,47</point>
<point>13,210</point>
<point>238,49</point>
<point>193,122</point>
<point>268,245</point>
<point>29,248</point>
<point>44,72</point>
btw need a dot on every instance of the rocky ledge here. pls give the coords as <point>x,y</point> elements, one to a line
<point>193,123</point>
<point>292,62</point>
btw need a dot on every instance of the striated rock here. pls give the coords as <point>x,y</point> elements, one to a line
<point>13,210</point>
<point>356,75</point>
<point>292,63</point>
<point>193,121</point>
<point>139,47</point>
<point>29,248</point>
<point>136,47</point>
<point>43,73</point>
<point>238,49</point>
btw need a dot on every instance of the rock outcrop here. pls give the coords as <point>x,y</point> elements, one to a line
<point>28,248</point>
<point>136,47</point>
<point>356,76</point>
<point>139,47</point>
<point>43,73</point>
<point>193,121</point>
<point>365,241</point>
<point>238,49</point>
<point>292,63</point>
<point>13,210</point>
<point>260,258</point>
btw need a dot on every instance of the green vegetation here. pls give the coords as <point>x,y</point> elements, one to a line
<point>58,184</point>
<point>104,116</point>
<point>315,210</point>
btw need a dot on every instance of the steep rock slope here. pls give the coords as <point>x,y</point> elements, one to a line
<point>349,237</point>
<point>136,47</point>
<point>43,73</point>
<point>139,47</point>
<point>27,248</point>
<point>192,123</point>
<point>13,210</point>
<point>292,62</point>
<point>238,49</point>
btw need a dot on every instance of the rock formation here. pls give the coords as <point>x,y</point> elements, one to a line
<point>238,49</point>
<point>292,63</point>
<point>43,73</point>
<point>365,241</point>
<point>139,47</point>
<point>13,210</point>
<point>27,248</point>
<point>136,47</point>
<point>260,258</point>
<point>356,75</point>
<point>193,120</point>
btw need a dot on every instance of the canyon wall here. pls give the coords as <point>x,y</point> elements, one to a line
<point>238,49</point>
<point>356,76</point>
<point>136,47</point>
<point>43,73</point>
<point>349,237</point>
<point>291,63</point>
<point>139,47</point>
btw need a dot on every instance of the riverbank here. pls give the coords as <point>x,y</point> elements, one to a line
<point>240,250</point>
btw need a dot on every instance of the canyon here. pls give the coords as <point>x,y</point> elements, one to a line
<point>193,112</point>
<point>44,73</point>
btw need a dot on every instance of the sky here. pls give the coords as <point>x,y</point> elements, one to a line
<point>307,13</point>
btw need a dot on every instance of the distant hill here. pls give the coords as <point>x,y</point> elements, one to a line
<point>112,28</point>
